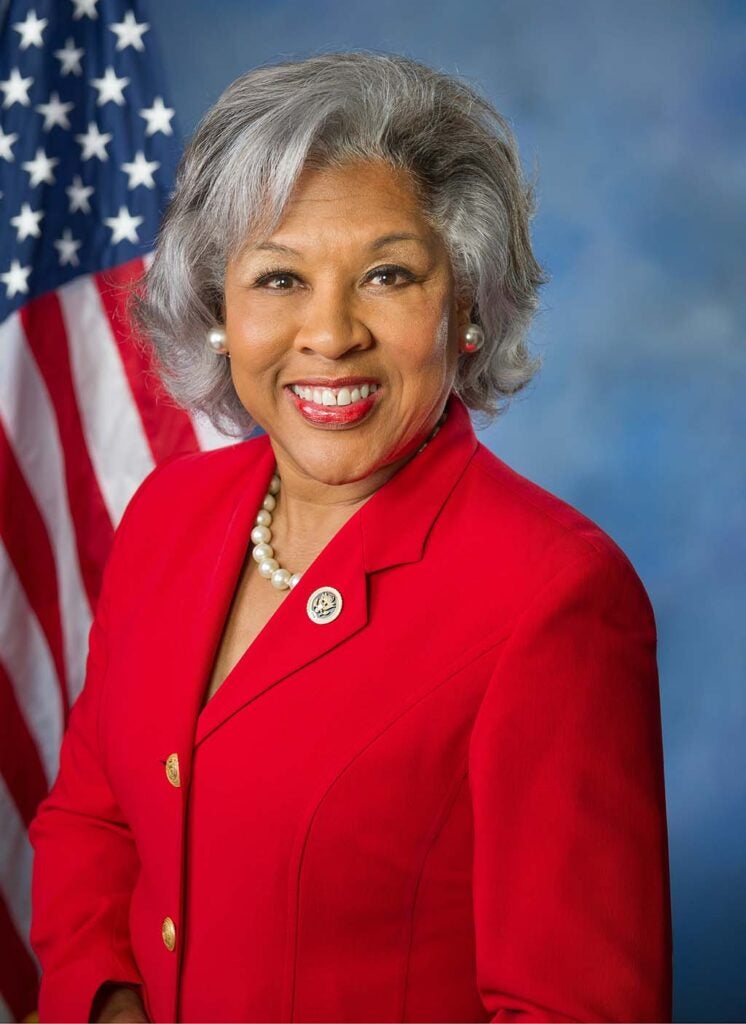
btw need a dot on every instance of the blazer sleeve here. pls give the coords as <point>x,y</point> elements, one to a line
<point>85,858</point>
<point>570,873</point>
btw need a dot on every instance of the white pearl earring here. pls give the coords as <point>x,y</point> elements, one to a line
<point>216,340</point>
<point>473,338</point>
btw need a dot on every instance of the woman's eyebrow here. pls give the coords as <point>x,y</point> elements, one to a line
<point>404,236</point>
<point>276,247</point>
<point>378,243</point>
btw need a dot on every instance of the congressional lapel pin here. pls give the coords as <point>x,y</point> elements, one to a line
<point>324,605</point>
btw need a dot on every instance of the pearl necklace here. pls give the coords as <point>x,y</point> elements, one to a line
<point>261,536</point>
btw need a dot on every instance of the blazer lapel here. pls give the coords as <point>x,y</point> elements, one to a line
<point>389,529</point>
<point>290,639</point>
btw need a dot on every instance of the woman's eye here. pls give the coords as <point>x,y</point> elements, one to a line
<point>282,280</point>
<point>391,273</point>
<point>280,275</point>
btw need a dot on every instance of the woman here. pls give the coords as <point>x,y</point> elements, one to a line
<point>370,729</point>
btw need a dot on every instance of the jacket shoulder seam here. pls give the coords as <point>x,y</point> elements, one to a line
<point>593,547</point>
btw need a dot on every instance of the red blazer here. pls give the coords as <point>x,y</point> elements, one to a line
<point>447,804</point>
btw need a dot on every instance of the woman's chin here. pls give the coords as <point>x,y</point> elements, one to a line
<point>336,459</point>
<point>336,471</point>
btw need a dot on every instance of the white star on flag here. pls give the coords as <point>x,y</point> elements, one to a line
<point>16,89</point>
<point>85,9</point>
<point>140,171</point>
<point>55,112</point>
<point>69,58</point>
<point>30,30</point>
<point>110,88</point>
<point>15,279</point>
<point>123,226</point>
<point>129,32</point>
<point>40,168</point>
<point>67,247</point>
<point>6,141</point>
<point>158,117</point>
<point>26,223</point>
<point>79,194</point>
<point>94,143</point>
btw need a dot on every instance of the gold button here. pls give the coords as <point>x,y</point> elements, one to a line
<point>168,931</point>
<point>172,769</point>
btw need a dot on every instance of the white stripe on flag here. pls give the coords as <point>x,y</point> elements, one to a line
<point>29,664</point>
<point>114,433</point>
<point>16,858</point>
<point>28,417</point>
<point>207,435</point>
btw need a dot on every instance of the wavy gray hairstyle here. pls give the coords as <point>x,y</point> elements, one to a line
<point>238,172</point>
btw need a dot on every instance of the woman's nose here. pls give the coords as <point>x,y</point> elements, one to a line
<point>330,329</point>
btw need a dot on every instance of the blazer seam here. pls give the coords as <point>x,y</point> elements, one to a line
<point>329,786</point>
<point>440,822</point>
<point>571,530</point>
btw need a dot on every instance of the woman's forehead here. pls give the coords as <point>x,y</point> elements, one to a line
<point>369,210</point>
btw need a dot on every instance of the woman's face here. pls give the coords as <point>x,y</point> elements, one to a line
<point>331,305</point>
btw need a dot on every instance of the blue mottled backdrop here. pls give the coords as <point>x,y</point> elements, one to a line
<point>632,115</point>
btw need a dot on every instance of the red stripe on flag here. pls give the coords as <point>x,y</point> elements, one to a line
<point>26,540</point>
<point>19,981</point>
<point>20,764</point>
<point>45,329</point>
<point>167,428</point>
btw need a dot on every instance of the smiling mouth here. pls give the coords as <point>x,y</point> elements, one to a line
<point>334,406</point>
<point>333,396</point>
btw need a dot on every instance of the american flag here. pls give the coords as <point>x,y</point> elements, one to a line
<point>88,149</point>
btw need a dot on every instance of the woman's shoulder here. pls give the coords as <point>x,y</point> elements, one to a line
<point>181,473</point>
<point>172,507</point>
<point>185,481</point>
<point>537,529</point>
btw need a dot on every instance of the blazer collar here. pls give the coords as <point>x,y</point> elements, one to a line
<point>412,498</point>
<point>389,529</point>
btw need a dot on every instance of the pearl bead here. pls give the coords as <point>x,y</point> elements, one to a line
<point>473,337</point>
<point>261,535</point>
<point>216,339</point>
<point>262,551</point>
<point>280,579</point>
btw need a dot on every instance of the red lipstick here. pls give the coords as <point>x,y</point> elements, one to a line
<point>334,416</point>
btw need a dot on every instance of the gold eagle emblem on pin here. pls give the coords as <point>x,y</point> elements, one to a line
<point>324,605</point>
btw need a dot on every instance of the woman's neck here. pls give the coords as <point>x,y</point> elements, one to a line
<point>310,512</point>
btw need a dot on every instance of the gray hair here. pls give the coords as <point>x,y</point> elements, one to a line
<point>237,174</point>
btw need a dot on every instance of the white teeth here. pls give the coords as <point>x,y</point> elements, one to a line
<point>329,396</point>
